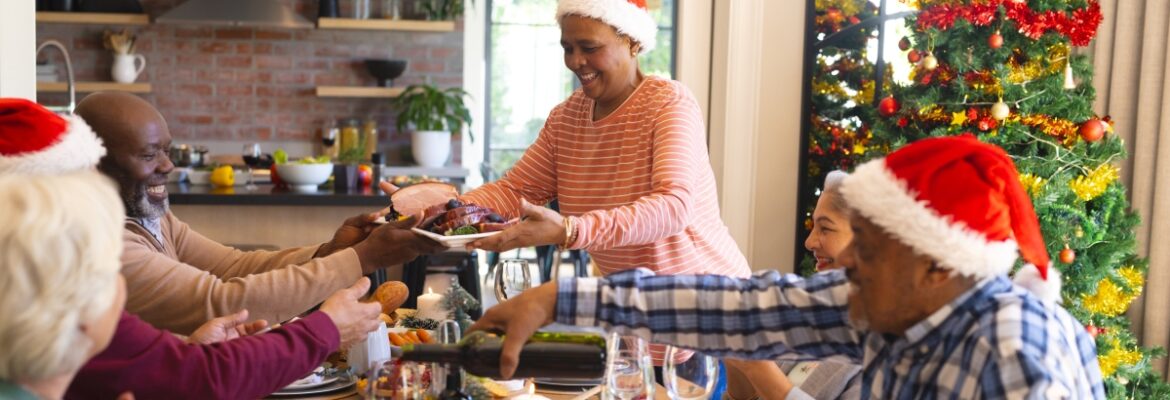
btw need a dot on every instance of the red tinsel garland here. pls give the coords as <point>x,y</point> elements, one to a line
<point>1080,27</point>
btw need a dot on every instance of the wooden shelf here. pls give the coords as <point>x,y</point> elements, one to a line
<point>92,18</point>
<point>386,24</point>
<point>90,87</point>
<point>358,91</point>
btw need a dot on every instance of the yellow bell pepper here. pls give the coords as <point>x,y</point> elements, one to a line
<point>223,176</point>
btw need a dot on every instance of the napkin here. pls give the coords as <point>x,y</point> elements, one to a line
<point>371,352</point>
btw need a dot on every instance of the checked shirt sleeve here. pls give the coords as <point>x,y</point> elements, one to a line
<point>757,318</point>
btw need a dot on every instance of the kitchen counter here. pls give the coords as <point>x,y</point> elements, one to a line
<point>269,195</point>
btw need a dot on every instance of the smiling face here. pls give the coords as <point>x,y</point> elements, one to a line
<point>137,141</point>
<point>604,61</point>
<point>831,232</point>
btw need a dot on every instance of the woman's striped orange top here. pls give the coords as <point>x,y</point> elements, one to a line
<point>637,183</point>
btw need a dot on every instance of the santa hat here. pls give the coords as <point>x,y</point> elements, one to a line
<point>960,202</point>
<point>629,17</point>
<point>34,140</point>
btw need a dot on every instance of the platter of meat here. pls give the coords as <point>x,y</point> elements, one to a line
<point>456,224</point>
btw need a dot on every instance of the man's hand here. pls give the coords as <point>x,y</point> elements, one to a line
<point>226,328</point>
<point>353,319</point>
<point>518,318</point>
<point>352,231</point>
<point>393,244</point>
<point>538,226</point>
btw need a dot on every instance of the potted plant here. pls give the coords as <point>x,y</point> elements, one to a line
<point>433,114</point>
<point>441,10</point>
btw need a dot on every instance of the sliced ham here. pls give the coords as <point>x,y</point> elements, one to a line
<point>417,198</point>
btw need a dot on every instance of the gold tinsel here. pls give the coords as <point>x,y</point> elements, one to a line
<point>847,7</point>
<point>1034,69</point>
<point>865,96</point>
<point>1032,183</point>
<point>1063,129</point>
<point>825,88</point>
<point>1088,187</point>
<point>1112,300</point>
<point>1116,357</point>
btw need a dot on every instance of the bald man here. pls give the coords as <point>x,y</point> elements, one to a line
<point>178,279</point>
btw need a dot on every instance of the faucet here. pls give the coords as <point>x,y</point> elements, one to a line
<point>68,72</point>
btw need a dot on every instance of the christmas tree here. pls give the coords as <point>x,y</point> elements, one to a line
<point>842,89</point>
<point>1006,71</point>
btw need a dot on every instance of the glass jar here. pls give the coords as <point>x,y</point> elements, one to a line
<point>369,138</point>
<point>350,138</point>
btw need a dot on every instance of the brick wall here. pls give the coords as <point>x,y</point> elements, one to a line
<point>257,84</point>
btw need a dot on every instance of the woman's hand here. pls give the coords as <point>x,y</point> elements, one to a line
<point>226,328</point>
<point>538,226</point>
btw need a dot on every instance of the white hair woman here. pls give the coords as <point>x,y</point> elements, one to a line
<point>61,291</point>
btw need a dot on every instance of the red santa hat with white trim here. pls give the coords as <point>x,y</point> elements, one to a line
<point>34,140</point>
<point>960,202</point>
<point>630,17</point>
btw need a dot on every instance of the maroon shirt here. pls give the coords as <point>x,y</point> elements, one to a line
<point>153,363</point>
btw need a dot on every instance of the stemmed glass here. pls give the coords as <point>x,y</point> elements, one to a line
<point>628,372</point>
<point>513,276</point>
<point>252,156</point>
<point>448,332</point>
<point>689,375</point>
<point>394,380</point>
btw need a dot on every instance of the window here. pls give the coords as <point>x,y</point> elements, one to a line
<point>527,76</point>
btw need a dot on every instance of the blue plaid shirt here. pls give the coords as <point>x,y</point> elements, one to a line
<point>994,341</point>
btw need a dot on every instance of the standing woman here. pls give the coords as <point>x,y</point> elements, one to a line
<point>625,156</point>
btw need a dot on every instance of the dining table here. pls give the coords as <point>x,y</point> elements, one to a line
<point>536,393</point>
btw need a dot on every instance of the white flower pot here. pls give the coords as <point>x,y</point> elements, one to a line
<point>431,148</point>
<point>127,67</point>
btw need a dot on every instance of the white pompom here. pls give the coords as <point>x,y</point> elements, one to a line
<point>1029,278</point>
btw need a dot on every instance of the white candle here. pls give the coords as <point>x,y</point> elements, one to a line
<point>430,305</point>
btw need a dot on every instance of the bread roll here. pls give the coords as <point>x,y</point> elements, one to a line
<point>391,295</point>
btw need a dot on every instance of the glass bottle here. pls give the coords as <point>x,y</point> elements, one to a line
<point>329,136</point>
<point>546,355</point>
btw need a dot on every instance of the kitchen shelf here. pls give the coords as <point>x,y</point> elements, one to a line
<point>386,24</point>
<point>358,91</point>
<point>92,18</point>
<point>441,172</point>
<point>90,87</point>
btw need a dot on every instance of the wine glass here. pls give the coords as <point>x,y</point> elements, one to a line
<point>628,372</point>
<point>689,375</point>
<point>395,380</point>
<point>448,332</point>
<point>513,276</point>
<point>251,154</point>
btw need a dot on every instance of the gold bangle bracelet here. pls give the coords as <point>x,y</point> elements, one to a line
<point>568,233</point>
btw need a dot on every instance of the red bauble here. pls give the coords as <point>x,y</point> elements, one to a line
<point>853,20</point>
<point>888,106</point>
<point>1093,330</point>
<point>995,40</point>
<point>1067,256</point>
<point>904,44</point>
<point>902,122</point>
<point>984,124</point>
<point>914,56</point>
<point>1093,130</point>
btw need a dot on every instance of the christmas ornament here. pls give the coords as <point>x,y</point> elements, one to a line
<point>1078,25</point>
<point>1093,130</point>
<point>985,124</point>
<point>904,44</point>
<point>1117,356</point>
<point>929,62</point>
<point>1069,83</point>
<point>995,40</point>
<point>1093,330</point>
<point>1000,110</point>
<point>958,118</point>
<point>1080,233</point>
<point>853,20</point>
<point>913,56</point>
<point>888,106</point>
<point>902,122</point>
<point>1067,255</point>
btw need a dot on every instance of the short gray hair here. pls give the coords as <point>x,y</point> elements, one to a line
<point>833,190</point>
<point>61,242</point>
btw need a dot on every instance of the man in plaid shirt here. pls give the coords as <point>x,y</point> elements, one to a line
<point>924,302</point>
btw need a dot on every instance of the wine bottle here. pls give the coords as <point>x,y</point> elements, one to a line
<point>546,355</point>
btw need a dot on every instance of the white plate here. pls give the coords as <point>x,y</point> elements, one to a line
<point>334,386</point>
<point>454,240</point>
<point>302,386</point>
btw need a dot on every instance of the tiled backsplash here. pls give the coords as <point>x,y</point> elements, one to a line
<point>258,84</point>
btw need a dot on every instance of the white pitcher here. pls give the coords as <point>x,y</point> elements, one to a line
<point>127,67</point>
